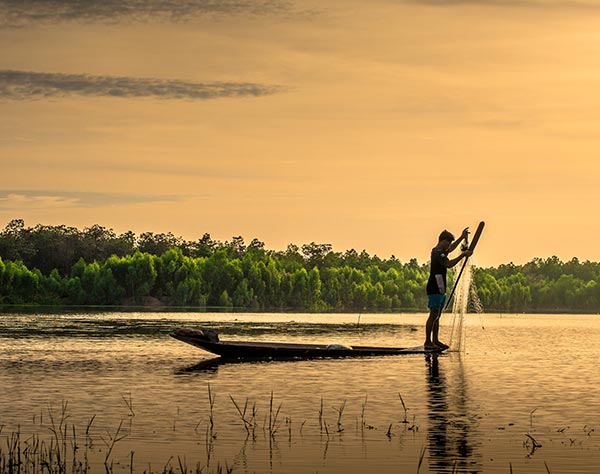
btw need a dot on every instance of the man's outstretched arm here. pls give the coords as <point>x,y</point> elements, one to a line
<point>463,236</point>
<point>454,261</point>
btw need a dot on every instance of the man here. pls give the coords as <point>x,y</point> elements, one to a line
<point>436,285</point>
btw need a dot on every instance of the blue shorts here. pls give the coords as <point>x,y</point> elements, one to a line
<point>436,301</point>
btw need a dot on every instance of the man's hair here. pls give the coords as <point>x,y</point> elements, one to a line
<point>445,235</point>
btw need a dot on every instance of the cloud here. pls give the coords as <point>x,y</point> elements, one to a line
<point>19,85</point>
<point>20,13</point>
<point>34,199</point>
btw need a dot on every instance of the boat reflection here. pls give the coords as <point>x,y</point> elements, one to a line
<point>205,365</point>
<point>452,437</point>
<point>212,365</point>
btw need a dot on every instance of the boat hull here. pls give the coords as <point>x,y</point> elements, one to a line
<point>286,350</point>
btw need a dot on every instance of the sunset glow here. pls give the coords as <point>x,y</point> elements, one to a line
<point>367,125</point>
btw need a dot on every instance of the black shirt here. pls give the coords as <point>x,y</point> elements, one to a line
<point>439,259</point>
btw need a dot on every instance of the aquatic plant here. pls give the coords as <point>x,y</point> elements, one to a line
<point>61,451</point>
<point>66,449</point>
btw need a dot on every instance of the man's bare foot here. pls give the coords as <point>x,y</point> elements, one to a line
<point>441,345</point>
<point>430,346</point>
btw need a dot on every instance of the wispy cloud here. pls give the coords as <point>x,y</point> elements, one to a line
<point>38,199</point>
<point>19,85</point>
<point>19,13</point>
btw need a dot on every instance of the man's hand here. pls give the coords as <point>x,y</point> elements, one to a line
<point>466,253</point>
<point>465,233</point>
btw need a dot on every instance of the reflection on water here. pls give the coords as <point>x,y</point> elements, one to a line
<point>472,412</point>
<point>206,365</point>
<point>452,436</point>
<point>440,456</point>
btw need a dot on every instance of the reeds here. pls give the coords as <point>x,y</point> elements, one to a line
<point>405,420</point>
<point>35,455</point>
<point>273,416</point>
<point>60,453</point>
<point>211,404</point>
<point>321,416</point>
<point>249,423</point>
<point>69,450</point>
<point>128,401</point>
<point>531,417</point>
<point>363,422</point>
<point>421,456</point>
<point>340,412</point>
<point>110,442</point>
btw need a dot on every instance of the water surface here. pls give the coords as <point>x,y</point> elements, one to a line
<point>521,378</point>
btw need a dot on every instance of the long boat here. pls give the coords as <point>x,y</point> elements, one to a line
<point>209,341</point>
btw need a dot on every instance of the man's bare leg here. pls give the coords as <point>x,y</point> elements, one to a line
<point>430,325</point>
<point>435,332</point>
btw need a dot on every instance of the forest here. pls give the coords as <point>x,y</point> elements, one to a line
<point>65,266</point>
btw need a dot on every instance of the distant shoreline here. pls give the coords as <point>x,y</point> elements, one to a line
<point>164,308</point>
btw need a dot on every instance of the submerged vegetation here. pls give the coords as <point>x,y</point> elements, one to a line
<point>61,265</point>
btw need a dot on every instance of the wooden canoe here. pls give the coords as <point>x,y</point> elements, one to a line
<point>209,341</point>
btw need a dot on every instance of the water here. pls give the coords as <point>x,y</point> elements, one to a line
<point>519,375</point>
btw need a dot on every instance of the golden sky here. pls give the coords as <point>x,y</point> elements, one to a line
<point>368,125</point>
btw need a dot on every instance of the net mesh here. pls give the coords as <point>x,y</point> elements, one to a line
<point>465,300</point>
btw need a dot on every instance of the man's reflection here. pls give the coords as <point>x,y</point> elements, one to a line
<point>452,445</point>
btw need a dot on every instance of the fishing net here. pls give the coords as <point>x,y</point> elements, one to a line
<point>465,300</point>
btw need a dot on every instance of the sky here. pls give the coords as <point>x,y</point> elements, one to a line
<point>366,125</point>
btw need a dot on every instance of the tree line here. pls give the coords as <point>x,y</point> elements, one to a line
<point>60,265</point>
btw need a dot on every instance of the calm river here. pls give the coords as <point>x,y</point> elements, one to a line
<point>522,396</point>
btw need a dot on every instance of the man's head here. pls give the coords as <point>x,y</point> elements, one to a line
<point>445,239</point>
